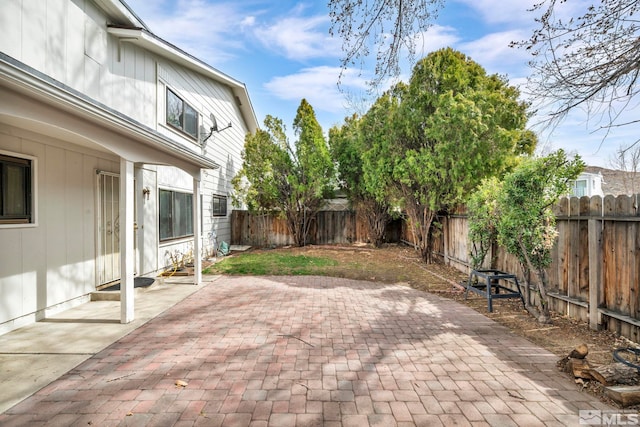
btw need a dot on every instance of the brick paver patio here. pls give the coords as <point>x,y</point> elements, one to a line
<point>303,351</point>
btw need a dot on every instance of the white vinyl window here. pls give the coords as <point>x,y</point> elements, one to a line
<point>16,190</point>
<point>181,115</point>
<point>219,205</point>
<point>176,215</point>
<point>580,188</point>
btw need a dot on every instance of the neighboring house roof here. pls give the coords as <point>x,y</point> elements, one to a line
<point>616,182</point>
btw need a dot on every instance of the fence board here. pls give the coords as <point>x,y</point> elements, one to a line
<point>608,252</point>
<point>635,312</point>
<point>572,263</point>
<point>596,282</point>
<point>583,245</point>
<point>563,237</point>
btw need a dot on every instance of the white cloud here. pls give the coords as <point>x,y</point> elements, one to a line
<point>436,37</point>
<point>318,86</point>
<point>248,21</point>
<point>300,38</point>
<point>493,52</point>
<point>202,29</point>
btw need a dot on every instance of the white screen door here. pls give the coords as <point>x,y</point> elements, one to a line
<point>108,260</point>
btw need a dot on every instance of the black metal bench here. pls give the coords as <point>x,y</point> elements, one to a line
<point>491,288</point>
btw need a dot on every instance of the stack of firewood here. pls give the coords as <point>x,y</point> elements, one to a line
<point>620,381</point>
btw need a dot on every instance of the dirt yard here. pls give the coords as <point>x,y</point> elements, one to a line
<point>400,264</point>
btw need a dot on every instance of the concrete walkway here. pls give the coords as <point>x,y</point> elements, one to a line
<point>34,356</point>
<point>292,351</point>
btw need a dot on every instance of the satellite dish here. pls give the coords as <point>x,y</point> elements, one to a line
<point>214,123</point>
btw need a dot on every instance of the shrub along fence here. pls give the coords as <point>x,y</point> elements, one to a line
<point>594,275</point>
<point>595,272</point>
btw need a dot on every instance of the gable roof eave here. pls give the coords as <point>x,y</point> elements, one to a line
<point>121,13</point>
<point>150,42</point>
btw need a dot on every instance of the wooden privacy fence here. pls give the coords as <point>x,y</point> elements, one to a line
<point>329,227</point>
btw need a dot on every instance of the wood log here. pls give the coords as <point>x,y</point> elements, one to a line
<point>579,368</point>
<point>615,373</point>
<point>624,395</point>
<point>580,352</point>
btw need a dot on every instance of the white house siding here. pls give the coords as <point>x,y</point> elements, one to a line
<point>224,147</point>
<point>69,42</point>
<point>147,219</point>
<point>46,266</point>
<point>49,266</point>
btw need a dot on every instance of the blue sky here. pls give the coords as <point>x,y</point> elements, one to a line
<point>283,52</point>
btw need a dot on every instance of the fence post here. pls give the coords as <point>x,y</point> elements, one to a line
<point>595,263</point>
<point>445,239</point>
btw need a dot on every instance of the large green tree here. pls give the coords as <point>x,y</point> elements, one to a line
<point>454,126</point>
<point>265,160</point>
<point>346,143</point>
<point>290,180</point>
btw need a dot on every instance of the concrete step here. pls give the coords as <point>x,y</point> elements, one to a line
<point>114,295</point>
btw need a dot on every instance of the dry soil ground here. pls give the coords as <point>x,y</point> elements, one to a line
<point>400,264</point>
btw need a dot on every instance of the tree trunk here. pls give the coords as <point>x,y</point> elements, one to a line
<point>376,216</point>
<point>494,255</point>
<point>543,314</point>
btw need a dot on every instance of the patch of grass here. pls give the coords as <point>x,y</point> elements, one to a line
<point>271,263</point>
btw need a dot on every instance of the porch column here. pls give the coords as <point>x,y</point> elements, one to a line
<point>197,250</point>
<point>127,254</point>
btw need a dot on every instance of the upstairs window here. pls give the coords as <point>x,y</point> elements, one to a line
<point>181,115</point>
<point>15,190</point>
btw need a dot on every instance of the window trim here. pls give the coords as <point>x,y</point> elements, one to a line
<point>172,126</point>
<point>173,238</point>
<point>34,191</point>
<point>216,213</point>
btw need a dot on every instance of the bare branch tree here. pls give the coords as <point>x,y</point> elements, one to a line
<point>627,159</point>
<point>591,61</point>
<point>386,25</point>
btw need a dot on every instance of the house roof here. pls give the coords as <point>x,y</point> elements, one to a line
<point>616,182</point>
<point>121,13</point>
<point>128,27</point>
